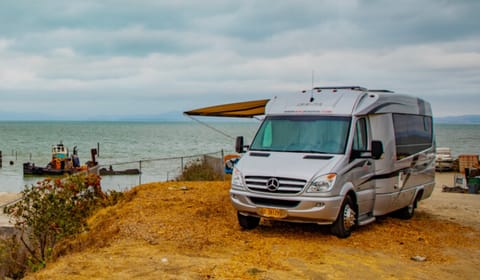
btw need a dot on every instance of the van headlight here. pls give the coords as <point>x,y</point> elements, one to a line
<point>322,183</point>
<point>237,179</point>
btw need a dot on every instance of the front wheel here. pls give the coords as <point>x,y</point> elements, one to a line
<point>346,219</point>
<point>247,222</point>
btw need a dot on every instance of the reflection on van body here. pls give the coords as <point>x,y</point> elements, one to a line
<point>341,157</point>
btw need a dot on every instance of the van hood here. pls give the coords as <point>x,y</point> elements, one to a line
<point>286,164</point>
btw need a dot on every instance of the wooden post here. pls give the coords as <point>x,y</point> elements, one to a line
<point>0,159</point>
<point>223,165</point>
<point>140,175</point>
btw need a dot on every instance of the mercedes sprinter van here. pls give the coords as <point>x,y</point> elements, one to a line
<point>339,156</point>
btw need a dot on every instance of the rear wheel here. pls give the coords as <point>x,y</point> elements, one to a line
<point>247,222</point>
<point>346,219</point>
<point>407,212</point>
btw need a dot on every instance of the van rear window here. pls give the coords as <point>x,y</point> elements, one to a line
<point>413,134</point>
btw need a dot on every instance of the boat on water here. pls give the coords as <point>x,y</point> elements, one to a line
<point>61,163</point>
<point>110,171</point>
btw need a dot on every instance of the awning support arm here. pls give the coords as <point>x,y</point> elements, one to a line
<point>211,127</point>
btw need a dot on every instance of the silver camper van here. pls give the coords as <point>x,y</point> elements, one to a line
<point>339,156</point>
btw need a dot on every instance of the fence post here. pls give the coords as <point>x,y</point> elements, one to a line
<point>140,175</point>
<point>181,163</point>
<point>223,167</point>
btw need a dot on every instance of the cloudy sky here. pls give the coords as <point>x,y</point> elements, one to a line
<point>81,59</point>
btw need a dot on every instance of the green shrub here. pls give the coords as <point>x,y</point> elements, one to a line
<point>53,210</point>
<point>199,170</point>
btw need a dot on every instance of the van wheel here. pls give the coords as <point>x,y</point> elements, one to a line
<point>247,222</point>
<point>346,219</point>
<point>407,212</point>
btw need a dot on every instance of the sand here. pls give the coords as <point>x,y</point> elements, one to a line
<point>188,230</point>
<point>463,208</point>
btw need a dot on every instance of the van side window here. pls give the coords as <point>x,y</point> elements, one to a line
<point>413,134</point>
<point>360,140</point>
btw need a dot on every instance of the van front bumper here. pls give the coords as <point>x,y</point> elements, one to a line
<point>308,209</point>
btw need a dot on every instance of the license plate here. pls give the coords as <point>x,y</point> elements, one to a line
<point>272,212</point>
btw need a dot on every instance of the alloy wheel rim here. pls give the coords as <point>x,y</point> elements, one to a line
<point>348,217</point>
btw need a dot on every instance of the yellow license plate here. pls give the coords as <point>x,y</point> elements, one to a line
<point>272,212</point>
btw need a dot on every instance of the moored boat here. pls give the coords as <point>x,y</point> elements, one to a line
<point>61,163</point>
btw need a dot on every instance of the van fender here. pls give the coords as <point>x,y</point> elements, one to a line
<point>346,188</point>
<point>418,195</point>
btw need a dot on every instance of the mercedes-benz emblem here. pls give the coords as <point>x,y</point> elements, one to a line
<point>273,184</point>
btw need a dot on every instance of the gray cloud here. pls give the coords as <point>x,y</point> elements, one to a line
<point>118,56</point>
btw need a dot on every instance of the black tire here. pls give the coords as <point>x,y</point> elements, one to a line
<point>247,222</point>
<point>346,219</point>
<point>408,211</point>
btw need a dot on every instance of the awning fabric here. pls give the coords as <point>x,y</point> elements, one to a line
<point>247,109</point>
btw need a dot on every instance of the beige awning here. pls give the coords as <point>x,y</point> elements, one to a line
<point>247,109</point>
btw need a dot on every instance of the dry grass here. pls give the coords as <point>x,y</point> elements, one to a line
<point>188,230</point>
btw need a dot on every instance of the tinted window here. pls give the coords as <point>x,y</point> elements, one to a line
<point>312,134</point>
<point>360,140</point>
<point>413,134</point>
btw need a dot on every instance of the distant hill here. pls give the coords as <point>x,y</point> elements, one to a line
<point>168,117</point>
<point>465,119</point>
<point>161,117</point>
<point>178,116</point>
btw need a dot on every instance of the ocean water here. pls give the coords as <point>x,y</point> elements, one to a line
<point>461,138</point>
<point>158,145</point>
<point>162,147</point>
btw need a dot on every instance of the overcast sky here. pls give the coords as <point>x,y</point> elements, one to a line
<point>75,59</point>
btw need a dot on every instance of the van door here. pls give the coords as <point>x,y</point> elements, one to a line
<point>362,167</point>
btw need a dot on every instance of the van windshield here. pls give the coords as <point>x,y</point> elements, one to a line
<point>308,134</point>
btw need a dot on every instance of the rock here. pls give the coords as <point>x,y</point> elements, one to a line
<point>418,258</point>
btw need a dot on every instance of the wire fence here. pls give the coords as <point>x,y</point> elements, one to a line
<point>128,174</point>
<point>124,175</point>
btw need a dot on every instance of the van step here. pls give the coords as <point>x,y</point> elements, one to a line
<point>365,220</point>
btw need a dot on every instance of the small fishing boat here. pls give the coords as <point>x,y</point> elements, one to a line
<point>61,163</point>
<point>110,171</point>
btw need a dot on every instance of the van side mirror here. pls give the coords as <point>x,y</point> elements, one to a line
<point>239,145</point>
<point>377,149</point>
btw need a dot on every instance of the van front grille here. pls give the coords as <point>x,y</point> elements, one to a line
<point>278,185</point>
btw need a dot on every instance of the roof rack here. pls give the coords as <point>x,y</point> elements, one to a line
<point>342,87</point>
<point>380,90</point>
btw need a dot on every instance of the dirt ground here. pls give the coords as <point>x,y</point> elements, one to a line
<point>188,230</point>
